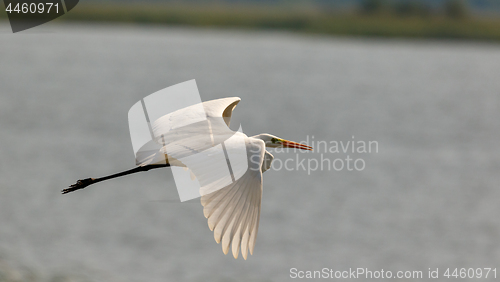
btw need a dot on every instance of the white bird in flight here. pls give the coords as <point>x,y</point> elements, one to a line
<point>232,206</point>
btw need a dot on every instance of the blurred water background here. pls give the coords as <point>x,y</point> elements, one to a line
<point>429,198</point>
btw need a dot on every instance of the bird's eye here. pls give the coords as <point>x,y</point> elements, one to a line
<point>274,140</point>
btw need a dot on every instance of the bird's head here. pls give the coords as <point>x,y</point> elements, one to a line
<point>277,142</point>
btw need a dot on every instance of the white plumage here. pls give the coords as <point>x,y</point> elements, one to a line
<point>231,207</point>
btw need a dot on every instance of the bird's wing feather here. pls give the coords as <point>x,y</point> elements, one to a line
<point>221,108</point>
<point>189,130</point>
<point>233,211</point>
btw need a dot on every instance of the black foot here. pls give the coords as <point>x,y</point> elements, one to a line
<point>80,184</point>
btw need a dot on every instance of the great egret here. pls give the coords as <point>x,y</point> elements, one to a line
<point>232,210</point>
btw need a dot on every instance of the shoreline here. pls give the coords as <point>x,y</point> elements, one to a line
<point>307,20</point>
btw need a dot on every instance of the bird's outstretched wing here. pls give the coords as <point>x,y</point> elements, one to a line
<point>227,165</point>
<point>187,131</point>
<point>233,212</point>
<point>194,114</point>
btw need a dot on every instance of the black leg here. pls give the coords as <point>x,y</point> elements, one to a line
<point>80,184</point>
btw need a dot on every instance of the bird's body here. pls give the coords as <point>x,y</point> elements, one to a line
<point>195,137</point>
